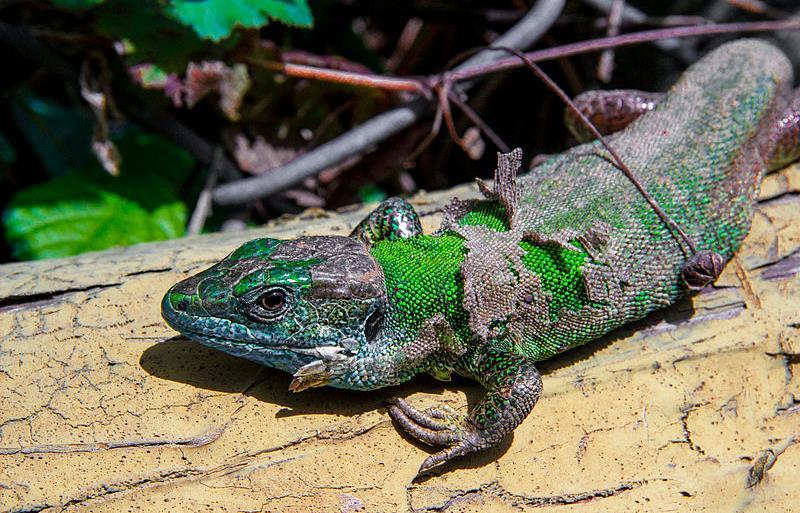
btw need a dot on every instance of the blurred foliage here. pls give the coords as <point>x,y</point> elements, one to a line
<point>81,207</point>
<point>145,34</point>
<point>164,82</point>
<point>216,19</point>
<point>61,135</point>
<point>87,209</point>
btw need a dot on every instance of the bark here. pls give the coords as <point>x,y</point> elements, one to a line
<point>105,408</point>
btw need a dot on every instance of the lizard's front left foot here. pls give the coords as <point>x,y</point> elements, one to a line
<point>438,426</point>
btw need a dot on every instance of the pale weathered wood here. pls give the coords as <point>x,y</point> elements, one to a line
<point>104,408</point>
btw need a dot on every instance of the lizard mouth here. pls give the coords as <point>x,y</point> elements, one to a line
<point>205,329</point>
<point>236,339</point>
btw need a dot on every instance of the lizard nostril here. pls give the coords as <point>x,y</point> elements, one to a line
<point>179,302</point>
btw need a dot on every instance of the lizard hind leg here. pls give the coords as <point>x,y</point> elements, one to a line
<point>609,111</point>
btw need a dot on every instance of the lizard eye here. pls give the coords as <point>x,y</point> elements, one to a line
<point>270,305</point>
<point>273,300</point>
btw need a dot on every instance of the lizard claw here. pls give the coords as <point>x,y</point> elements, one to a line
<point>436,426</point>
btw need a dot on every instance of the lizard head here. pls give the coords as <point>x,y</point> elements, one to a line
<point>306,306</point>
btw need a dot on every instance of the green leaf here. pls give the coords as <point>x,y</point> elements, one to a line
<point>150,76</point>
<point>149,36</point>
<point>216,19</point>
<point>77,4</point>
<point>89,210</point>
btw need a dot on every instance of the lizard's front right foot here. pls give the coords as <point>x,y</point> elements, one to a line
<point>437,426</point>
<point>513,386</point>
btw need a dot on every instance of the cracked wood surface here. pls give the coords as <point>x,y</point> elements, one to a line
<point>106,409</point>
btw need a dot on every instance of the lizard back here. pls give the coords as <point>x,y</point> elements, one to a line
<point>571,250</point>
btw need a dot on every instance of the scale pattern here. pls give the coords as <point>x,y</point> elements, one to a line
<point>547,261</point>
<point>578,217</point>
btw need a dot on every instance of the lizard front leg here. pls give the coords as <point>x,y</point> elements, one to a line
<point>513,385</point>
<point>393,219</point>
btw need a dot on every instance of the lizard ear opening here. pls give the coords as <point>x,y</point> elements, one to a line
<point>373,324</point>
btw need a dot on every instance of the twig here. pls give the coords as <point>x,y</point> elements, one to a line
<point>480,123</point>
<point>343,77</point>
<point>475,68</point>
<point>620,164</point>
<point>443,92</point>
<point>203,207</point>
<point>634,38</point>
<point>363,137</point>
<point>632,15</point>
<point>405,42</point>
<point>606,65</point>
<point>434,131</point>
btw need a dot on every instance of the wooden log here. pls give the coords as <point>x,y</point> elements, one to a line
<point>105,408</point>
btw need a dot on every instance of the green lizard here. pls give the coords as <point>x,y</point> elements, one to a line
<point>548,261</point>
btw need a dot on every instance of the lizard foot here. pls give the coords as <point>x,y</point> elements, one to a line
<point>437,426</point>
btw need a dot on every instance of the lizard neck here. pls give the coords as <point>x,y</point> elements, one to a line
<point>423,279</point>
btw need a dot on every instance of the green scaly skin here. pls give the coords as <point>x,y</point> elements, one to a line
<point>550,260</point>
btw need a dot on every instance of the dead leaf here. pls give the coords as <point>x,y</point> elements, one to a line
<point>231,83</point>
<point>473,143</point>
<point>107,154</point>
<point>259,156</point>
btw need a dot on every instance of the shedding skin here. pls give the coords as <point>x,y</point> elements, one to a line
<point>548,260</point>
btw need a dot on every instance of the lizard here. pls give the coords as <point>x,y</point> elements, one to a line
<point>546,261</point>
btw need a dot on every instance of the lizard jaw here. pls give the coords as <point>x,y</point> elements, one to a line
<point>320,372</point>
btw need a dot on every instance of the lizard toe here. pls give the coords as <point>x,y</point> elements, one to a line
<point>424,428</point>
<point>431,418</point>
<point>442,411</point>
<point>464,446</point>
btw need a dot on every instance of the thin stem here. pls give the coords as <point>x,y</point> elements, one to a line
<point>365,136</point>
<point>423,145</point>
<point>480,123</point>
<point>474,68</point>
<point>605,67</point>
<point>443,91</point>
<point>343,77</point>
<point>203,207</point>
<point>602,43</point>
